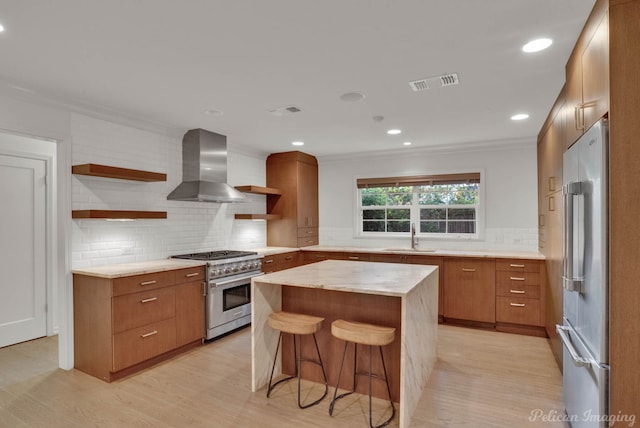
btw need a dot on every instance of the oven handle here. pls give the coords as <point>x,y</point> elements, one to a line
<point>233,281</point>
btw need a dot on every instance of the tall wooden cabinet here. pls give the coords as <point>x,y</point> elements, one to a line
<point>551,145</point>
<point>296,175</point>
<point>602,79</point>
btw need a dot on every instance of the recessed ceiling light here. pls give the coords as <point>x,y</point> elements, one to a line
<point>352,96</point>
<point>537,45</point>
<point>394,132</point>
<point>407,143</point>
<point>1,28</point>
<point>520,116</point>
<point>298,143</point>
<point>214,112</point>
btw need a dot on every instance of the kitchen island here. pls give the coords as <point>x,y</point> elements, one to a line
<point>400,296</point>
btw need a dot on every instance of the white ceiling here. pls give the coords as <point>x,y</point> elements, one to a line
<point>166,62</point>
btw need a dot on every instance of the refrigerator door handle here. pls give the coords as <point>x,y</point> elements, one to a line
<point>578,361</point>
<point>569,280</point>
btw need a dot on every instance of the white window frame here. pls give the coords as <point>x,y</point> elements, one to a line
<point>415,215</point>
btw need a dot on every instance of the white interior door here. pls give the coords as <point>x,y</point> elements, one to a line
<point>22,249</point>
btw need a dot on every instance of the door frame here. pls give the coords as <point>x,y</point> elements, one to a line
<point>58,283</point>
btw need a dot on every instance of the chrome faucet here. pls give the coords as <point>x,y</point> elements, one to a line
<point>414,238</point>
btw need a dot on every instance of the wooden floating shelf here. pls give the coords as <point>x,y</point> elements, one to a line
<point>118,215</point>
<point>96,170</point>
<point>258,216</point>
<point>259,190</point>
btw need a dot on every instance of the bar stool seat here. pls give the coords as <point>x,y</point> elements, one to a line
<point>297,325</point>
<point>363,334</point>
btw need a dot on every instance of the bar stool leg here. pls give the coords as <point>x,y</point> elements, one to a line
<point>324,375</point>
<point>336,397</point>
<point>386,379</point>
<point>275,359</point>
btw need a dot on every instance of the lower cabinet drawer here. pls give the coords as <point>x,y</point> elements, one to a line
<point>308,241</point>
<point>518,290</point>
<point>139,309</point>
<point>139,344</point>
<point>517,310</point>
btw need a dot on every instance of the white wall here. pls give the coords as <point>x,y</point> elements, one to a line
<point>510,198</point>
<point>189,227</point>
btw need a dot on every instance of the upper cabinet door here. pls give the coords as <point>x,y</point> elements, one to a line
<point>573,106</point>
<point>595,75</point>
<point>307,195</point>
<point>587,85</point>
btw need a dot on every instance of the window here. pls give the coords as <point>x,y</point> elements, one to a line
<point>442,205</point>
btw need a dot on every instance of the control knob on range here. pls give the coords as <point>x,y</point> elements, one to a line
<point>227,270</point>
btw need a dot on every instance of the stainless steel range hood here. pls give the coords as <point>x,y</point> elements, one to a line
<point>204,169</point>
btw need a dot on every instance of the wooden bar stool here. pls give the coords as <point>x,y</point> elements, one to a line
<point>363,334</point>
<point>297,325</point>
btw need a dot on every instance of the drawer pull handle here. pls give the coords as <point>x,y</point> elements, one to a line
<point>150,299</point>
<point>520,305</point>
<point>189,275</point>
<point>148,282</point>
<point>354,258</point>
<point>468,270</point>
<point>516,278</point>
<point>516,291</point>
<point>516,266</point>
<point>289,258</point>
<point>151,333</point>
<point>309,232</point>
<point>268,261</point>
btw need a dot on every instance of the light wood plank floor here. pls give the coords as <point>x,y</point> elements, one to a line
<point>481,379</point>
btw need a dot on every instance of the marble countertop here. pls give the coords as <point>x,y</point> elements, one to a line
<point>390,279</point>
<point>269,251</point>
<point>138,268</point>
<point>498,254</point>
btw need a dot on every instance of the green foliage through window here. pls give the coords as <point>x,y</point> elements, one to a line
<point>437,209</point>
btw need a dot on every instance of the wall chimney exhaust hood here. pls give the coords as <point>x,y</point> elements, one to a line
<point>204,169</point>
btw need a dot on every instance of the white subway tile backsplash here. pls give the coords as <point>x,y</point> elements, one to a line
<point>189,227</point>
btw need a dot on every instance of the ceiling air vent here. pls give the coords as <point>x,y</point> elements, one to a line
<point>283,111</point>
<point>434,82</point>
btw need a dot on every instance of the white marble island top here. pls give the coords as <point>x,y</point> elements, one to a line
<point>356,277</point>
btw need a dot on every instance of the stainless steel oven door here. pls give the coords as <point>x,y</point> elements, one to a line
<point>228,300</point>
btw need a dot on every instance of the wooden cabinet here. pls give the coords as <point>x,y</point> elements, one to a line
<point>587,75</point>
<point>520,296</point>
<point>470,289</point>
<point>122,325</point>
<point>296,175</point>
<point>551,146</point>
<point>281,261</point>
<point>190,305</point>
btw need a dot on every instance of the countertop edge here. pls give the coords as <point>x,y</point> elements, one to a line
<point>492,254</point>
<point>137,268</point>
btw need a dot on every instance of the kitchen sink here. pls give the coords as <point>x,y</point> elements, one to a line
<point>417,250</point>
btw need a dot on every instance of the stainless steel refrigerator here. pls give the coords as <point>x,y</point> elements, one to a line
<point>584,332</point>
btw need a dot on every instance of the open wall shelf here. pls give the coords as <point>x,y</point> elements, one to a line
<point>259,190</point>
<point>257,217</point>
<point>96,170</point>
<point>117,215</point>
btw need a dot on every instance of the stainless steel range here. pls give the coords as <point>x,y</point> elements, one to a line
<point>229,276</point>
